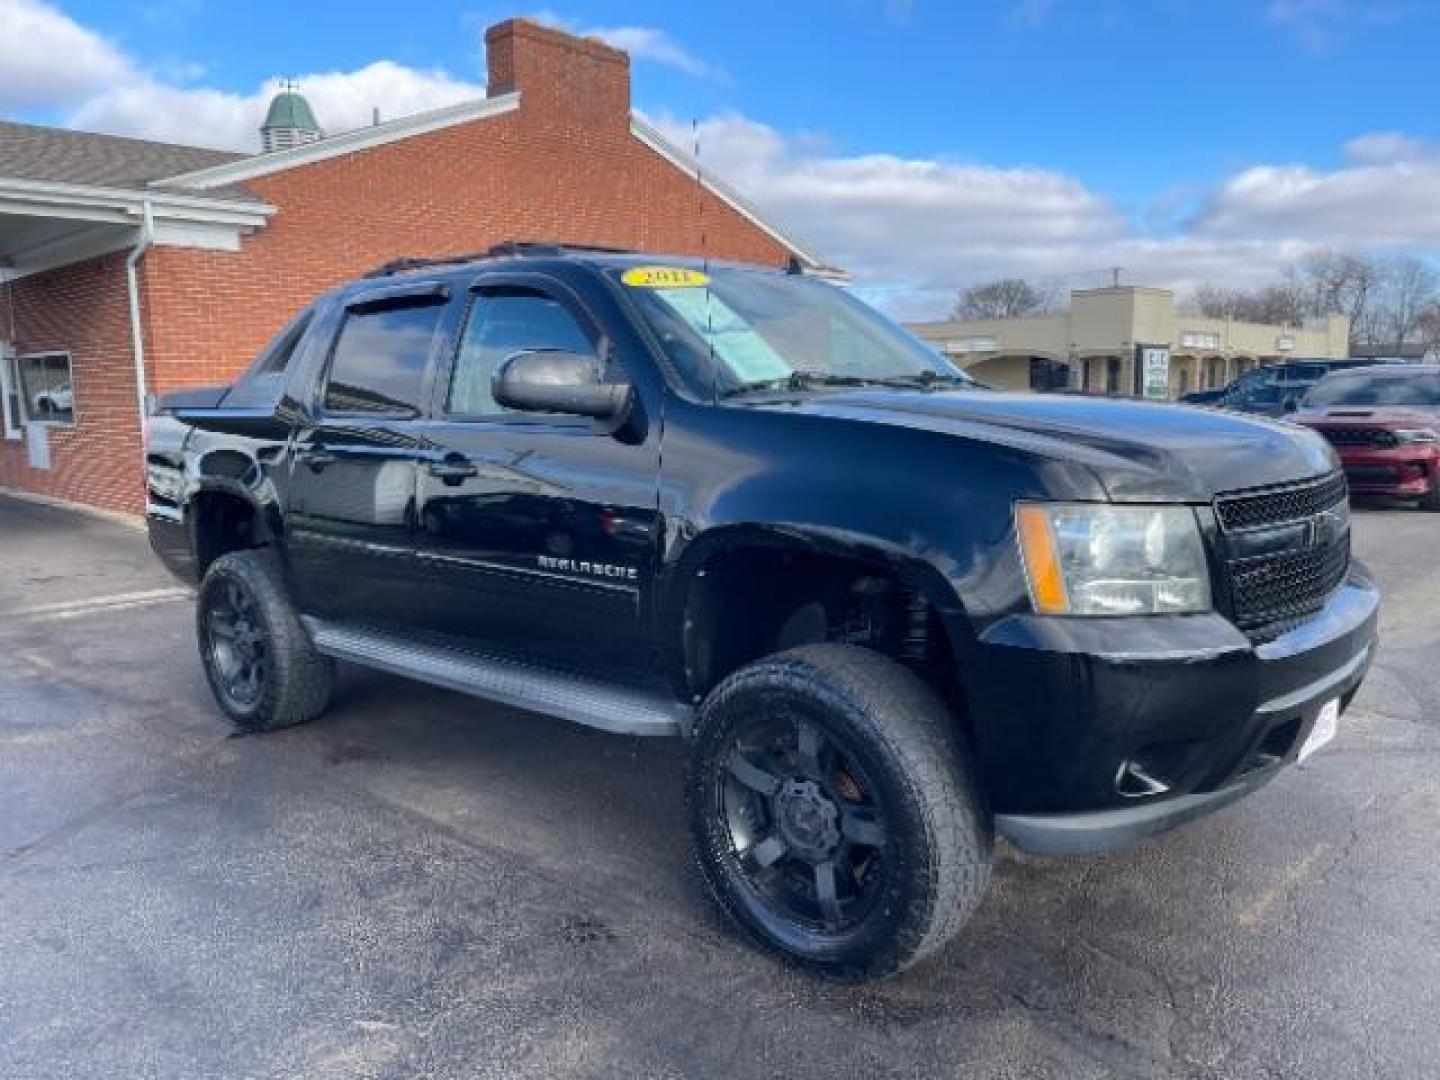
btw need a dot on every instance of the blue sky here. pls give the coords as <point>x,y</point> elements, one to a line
<point>1181,139</point>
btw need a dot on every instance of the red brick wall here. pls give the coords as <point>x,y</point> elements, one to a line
<point>83,309</point>
<point>563,167</point>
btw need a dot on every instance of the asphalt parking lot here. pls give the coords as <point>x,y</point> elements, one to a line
<point>422,885</point>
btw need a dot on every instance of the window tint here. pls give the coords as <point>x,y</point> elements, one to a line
<point>500,324</point>
<point>276,357</point>
<point>379,359</point>
<point>1367,389</point>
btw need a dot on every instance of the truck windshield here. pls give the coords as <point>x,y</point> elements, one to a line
<point>736,330</point>
<point>1372,389</point>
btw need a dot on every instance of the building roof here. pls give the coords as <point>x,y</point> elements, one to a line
<point>289,110</point>
<point>61,156</point>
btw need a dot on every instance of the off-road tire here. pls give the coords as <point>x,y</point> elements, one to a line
<point>297,682</point>
<point>939,830</point>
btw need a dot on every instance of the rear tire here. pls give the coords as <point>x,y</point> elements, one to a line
<point>835,812</point>
<point>260,663</point>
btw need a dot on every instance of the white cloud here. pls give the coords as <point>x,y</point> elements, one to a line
<point>1394,205</point>
<point>47,58</point>
<point>1030,12</point>
<point>914,230</point>
<point>646,43</point>
<point>148,108</point>
<point>641,42</point>
<point>1388,147</point>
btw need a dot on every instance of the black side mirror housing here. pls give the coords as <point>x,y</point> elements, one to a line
<point>1291,404</point>
<point>556,381</point>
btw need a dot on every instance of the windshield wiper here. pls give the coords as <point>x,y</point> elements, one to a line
<point>926,378</point>
<point>808,380</point>
<point>796,380</point>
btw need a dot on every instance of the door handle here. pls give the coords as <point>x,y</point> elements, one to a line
<point>453,470</point>
<point>317,458</point>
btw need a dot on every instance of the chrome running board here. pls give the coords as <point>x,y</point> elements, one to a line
<point>563,694</point>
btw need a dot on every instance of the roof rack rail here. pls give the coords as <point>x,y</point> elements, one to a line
<point>551,247</point>
<point>506,247</point>
<point>410,262</point>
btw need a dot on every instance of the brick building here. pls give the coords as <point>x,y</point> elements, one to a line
<point>133,268</point>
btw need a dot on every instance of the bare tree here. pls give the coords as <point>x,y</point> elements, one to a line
<point>1410,291</point>
<point>1006,298</point>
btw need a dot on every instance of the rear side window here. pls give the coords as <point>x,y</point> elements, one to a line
<point>379,358</point>
<point>276,357</point>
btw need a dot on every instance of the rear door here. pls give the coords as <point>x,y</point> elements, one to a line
<point>354,456</point>
<point>539,532</point>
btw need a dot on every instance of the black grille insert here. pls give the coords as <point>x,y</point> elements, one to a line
<point>1275,506</point>
<point>1376,437</point>
<point>1271,593</point>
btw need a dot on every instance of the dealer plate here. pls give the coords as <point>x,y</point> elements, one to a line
<point>1326,724</point>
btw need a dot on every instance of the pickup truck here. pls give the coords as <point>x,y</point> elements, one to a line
<point>893,613</point>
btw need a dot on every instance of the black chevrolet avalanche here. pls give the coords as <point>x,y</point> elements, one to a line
<point>894,614</point>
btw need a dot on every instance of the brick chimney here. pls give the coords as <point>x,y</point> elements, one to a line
<point>570,81</point>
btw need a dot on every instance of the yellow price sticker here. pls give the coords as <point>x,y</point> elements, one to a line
<point>664,277</point>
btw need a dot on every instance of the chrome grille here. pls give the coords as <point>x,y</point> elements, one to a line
<point>1273,592</point>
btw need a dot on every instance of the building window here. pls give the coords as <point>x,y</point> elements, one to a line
<point>1048,375</point>
<point>1112,374</point>
<point>44,388</point>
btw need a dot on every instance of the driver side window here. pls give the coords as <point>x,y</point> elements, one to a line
<point>499,324</point>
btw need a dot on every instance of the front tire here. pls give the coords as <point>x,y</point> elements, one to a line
<point>261,666</point>
<point>1430,501</point>
<point>835,812</point>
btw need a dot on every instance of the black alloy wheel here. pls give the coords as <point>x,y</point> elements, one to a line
<point>804,822</point>
<point>237,647</point>
<point>835,811</point>
<point>261,664</point>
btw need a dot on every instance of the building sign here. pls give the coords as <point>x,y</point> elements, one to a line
<point>967,345</point>
<point>1154,371</point>
<point>1195,339</point>
<point>1285,343</point>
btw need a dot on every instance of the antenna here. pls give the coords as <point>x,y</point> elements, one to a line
<point>705,264</point>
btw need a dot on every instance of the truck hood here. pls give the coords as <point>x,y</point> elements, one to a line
<point>1139,451</point>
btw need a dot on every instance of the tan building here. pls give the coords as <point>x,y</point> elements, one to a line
<point>1126,340</point>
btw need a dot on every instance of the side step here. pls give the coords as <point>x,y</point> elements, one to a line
<point>555,693</point>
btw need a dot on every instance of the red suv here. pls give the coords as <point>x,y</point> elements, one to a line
<point>1384,422</point>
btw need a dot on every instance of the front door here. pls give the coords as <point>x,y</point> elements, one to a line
<point>351,520</point>
<point>537,531</point>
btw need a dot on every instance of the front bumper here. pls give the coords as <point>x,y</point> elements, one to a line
<point>1400,472</point>
<point>1064,704</point>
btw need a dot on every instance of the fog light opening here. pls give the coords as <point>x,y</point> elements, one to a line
<point>1133,781</point>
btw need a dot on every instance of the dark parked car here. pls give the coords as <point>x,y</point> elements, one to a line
<point>1384,422</point>
<point>893,614</point>
<point>1271,390</point>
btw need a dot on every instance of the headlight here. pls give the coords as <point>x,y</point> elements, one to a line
<point>1096,559</point>
<point>1415,435</point>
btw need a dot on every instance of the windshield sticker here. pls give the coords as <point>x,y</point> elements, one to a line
<point>733,340</point>
<point>664,277</point>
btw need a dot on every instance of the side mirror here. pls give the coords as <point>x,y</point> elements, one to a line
<point>1291,404</point>
<point>555,381</point>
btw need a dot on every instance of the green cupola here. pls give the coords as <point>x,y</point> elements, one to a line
<point>289,121</point>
